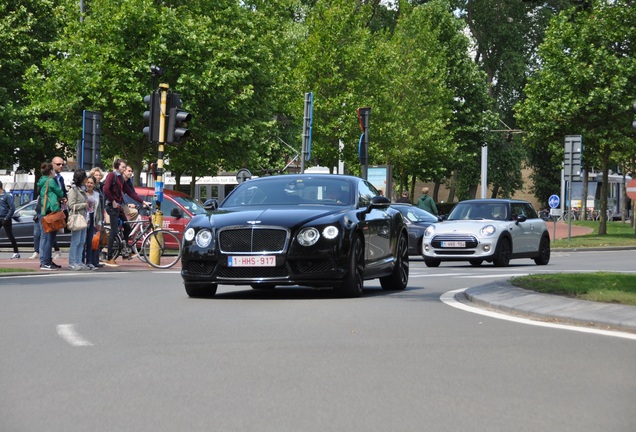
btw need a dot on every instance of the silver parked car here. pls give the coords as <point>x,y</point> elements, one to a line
<point>492,230</point>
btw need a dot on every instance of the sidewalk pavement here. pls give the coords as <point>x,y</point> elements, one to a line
<point>500,296</point>
<point>24,263</point>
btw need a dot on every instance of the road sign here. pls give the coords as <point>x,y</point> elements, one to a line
<point>631,189</point>
<point>242,175</point>
<point>554,201</point>
<point>572,157</point>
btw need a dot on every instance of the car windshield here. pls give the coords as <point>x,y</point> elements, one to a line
<point>416,214</point>
<point>190,204</point>
<point>285,191</point>
<point>479,211</point>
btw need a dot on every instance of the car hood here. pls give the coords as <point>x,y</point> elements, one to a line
<point>272,216</point>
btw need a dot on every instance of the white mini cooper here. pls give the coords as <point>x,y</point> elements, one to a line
<point>492,230</point>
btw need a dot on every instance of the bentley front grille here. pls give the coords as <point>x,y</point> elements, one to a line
<point>253,240</point>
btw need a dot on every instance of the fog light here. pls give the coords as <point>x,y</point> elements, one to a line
<point>486,248</point>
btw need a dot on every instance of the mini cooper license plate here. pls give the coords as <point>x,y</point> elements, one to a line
<point>453,244</point>
<point>251,261</point>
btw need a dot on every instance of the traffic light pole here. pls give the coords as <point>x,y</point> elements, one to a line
<point>157,219</point>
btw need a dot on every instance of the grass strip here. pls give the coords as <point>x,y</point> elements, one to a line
<point>600,286</point>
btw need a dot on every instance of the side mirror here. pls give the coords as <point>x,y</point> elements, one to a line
<point>211,204</point>
<point>521,218</point>
<point>379,202</point>
<point>176,213</point>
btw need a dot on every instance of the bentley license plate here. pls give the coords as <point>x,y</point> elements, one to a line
<point>453,244</point>
<point>251,261</point>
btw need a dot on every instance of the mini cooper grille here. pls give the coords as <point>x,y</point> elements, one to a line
<point>253,240</point>
<point>252,272</point>
<point>471,242</point>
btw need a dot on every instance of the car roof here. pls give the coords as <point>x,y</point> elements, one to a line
<point>493,200</point>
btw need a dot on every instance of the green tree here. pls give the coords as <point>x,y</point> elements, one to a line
<point>217,55</point>
<point>27,28</point>
<point>585,87</point>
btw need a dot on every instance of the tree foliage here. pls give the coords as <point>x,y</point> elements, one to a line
<point>585,87</point>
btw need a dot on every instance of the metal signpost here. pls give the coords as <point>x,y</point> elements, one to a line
<point>572,169</point>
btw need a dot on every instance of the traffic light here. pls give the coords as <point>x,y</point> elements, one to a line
<point>152,116</point>
<point>176,118</point>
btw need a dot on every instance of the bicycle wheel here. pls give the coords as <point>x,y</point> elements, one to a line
<point>138,251</point>
<point>161,249</point>
<point>117,246</point>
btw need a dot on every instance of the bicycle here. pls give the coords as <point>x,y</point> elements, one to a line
<point>159,247</point>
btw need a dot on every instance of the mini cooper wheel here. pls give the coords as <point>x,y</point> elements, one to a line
<point>200,290</point>
<point>544,252</point>
<point>353,281</point>
<point>475,262</point>
<point>400,276</point>
<point>431,262</point>
<point>503,253</point>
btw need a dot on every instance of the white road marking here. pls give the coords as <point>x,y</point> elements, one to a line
<point>68,333</point>
<point>449,299</point>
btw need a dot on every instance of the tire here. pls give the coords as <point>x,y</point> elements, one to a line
<point>399,279</point>
<point>430,262</point>
<point>503,253</point>
<point>475,262</point>
<point>353,282</point>
<point>117,246</point>
<point>161,249</point>
<point>200,290</point>
<point>544,252</point>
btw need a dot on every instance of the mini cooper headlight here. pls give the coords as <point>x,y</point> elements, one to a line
<point>330,233</point>
<point>430,230</point>
<point>308,236</point>
<point>488,230</point>
<point>189,234</point>
<point>204,238</point>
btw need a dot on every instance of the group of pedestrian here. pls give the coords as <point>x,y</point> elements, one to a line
<point>425,201</point>
<point>88,205</point>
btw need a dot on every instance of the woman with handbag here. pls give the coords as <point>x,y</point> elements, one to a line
<point>94,209</point>
<point>50,193</point>
<point>77,219</point>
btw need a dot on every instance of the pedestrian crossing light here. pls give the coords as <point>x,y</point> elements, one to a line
<point>176,119</point>
<point>152,116</point>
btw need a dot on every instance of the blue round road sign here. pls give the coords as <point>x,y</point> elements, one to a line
<point>554,201</point>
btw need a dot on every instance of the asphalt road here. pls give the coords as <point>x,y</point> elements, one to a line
<point>97,351</point>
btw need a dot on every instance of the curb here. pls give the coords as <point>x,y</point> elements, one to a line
<point>505,297</point>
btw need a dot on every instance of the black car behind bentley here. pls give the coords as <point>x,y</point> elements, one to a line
<point>308,230</point>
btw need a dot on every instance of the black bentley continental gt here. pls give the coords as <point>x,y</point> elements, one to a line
<point>309,230</point>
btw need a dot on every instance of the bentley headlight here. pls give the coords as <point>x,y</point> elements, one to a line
<point>330,233</point>
<point>488,230</point>
<point>204,238</point>
<point>430,230</point>
<point>308,236</point>
<point>189,234</point>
